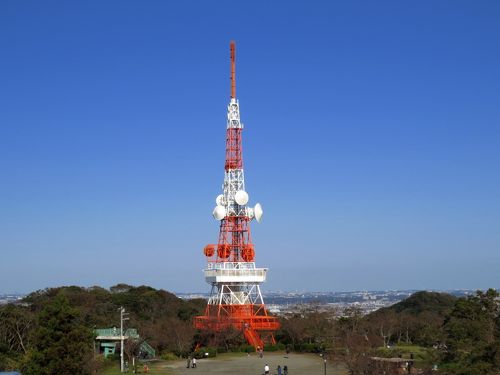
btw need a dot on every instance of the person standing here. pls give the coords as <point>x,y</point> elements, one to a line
<point>266,369</point>
<point>279,370</point>
<point>285,370</point>
<point>194,363</point>
<point>188,363</point>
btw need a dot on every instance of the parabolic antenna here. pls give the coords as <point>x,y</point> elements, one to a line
<point>257,210</point>
<point>219,212</point>
<point>241,197</point>
<point>219,199</point>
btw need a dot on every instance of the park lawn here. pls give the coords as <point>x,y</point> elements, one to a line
<point>154,369</point>
<point>241,364</point>
<point>423,356</point>
<point>419,352</point>
<point>158,367</point>
<point>230,355</point>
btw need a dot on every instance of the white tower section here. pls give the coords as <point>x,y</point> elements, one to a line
<point>235,282</point>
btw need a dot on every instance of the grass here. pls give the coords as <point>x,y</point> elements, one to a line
<point>423,356</point>
<point>405,351</point>
<point>154,369</point>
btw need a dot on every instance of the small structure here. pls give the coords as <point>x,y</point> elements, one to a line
<point>380,365</point>
<point>108,341</point>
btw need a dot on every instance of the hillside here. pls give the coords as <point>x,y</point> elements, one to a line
<point>417,319</point>
<point>99,306</point>
<point>159,317</point>
<point>419,302</point>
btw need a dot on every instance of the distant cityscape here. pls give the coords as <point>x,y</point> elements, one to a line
<point>285,303</point>
<point>10,298</point>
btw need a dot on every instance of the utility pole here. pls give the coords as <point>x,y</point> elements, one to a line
<point>123,316</point>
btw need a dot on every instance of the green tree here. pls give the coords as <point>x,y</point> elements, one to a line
<point>473,334</point>
<point>16,324</point>
<point>62,345</point>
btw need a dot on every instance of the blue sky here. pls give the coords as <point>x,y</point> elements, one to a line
<point>372,140</point>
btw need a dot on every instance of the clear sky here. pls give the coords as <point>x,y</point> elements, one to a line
<point>372,140</point>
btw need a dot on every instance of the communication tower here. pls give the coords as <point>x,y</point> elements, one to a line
<point>236,300</point>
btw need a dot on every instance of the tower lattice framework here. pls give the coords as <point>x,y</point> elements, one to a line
<point>236,299</point>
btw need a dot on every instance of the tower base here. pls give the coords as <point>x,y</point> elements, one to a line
<point>252,320</point>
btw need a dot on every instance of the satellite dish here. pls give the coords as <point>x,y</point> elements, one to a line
<point>219,212</point>
<point>258,212</point>
<point>250,213</point>
<point>219,200</point>
<point>241,197</point>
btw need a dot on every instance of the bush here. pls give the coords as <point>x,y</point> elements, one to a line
<point>168,356</point>
<point>405,351</point>
<point>101,363</point>
<point>246,348</point>
<point>310,348</point>
<point>270,348</point>
<point>200,353</point>
<point>274,348</point>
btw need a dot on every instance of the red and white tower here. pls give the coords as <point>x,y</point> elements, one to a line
<point>236,300</point>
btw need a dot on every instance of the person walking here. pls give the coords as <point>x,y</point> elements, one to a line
<point>188,363</point>
<point>266,369</point>
<point>285,370</point>
<point>279,370</point>
<point>194,363</point>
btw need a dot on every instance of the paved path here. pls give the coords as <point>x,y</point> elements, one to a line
<point>241,364</point>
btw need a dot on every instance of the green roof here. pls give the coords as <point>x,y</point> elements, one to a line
<point>129,332</point>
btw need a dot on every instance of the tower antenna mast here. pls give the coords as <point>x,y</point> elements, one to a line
<point>232,47</point>
<point>236,300</point>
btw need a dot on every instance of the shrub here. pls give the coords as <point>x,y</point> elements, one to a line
<point>310,348</point>
<point>274,348</point>
<point>168,356</point>
<point>201,352</point>
<point>246,348</point>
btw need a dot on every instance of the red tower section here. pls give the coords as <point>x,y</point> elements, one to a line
<point>236,300</point>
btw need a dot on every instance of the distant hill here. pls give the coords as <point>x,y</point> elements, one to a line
<point>51,316</point>
<point>419,302</point>
<point>417,319</point>
<point>99,306</point>
<point>159,316</point>
<point>432,303</point>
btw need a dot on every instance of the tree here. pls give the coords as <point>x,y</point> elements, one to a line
<point>473,334</point>
<point>180,336</point>
<point>61,344</point>
<point>352,341</point>
<point>293,330</point>
<point>15,326</point>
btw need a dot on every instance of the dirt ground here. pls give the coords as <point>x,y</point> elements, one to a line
<point>241,364</point>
